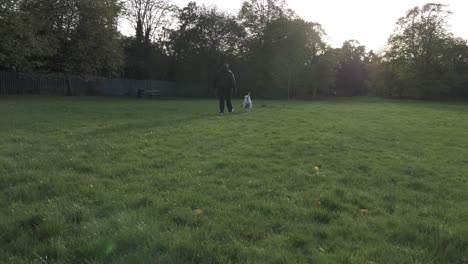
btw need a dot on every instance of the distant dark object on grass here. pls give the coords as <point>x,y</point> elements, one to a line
<point>142,93</point>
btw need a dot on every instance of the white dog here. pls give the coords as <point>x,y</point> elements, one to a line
<point>247,103</point>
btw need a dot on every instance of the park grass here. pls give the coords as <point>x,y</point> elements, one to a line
<point>100,180</point>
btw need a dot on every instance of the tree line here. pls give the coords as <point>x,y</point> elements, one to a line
<point>274,52</point>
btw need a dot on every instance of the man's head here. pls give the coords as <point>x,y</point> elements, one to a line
<point>226,66</point>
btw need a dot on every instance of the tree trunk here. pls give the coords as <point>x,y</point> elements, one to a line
<point>289,83</point>
<point>68,83</point>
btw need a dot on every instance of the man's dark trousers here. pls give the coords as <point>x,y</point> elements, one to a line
<point>226,96</point>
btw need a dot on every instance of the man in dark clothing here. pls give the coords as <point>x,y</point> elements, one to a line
<point>225,85</point>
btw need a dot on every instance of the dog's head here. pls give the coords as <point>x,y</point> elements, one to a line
<point>247,97</point>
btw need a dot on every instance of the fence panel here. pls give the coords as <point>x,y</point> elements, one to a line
<point>12,83</point>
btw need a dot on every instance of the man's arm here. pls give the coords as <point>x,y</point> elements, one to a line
<point>234,83</point>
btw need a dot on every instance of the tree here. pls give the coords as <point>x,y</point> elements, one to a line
<point>423,59</point>
<point>290,47</point>
<point>455,67</point>
<point>204,38</point>
<point>203,29</point>
<point>22,47</point>
<point>56,21</point>
<point>417,50</point>
<point>73,37</point>
<point>420,35</point>
<point>145,53</point>
<point>7,7</point>
<point>351,76</point>
<point>255,15</point>
<point>322,72</point>
<point>96,47</point>
<point>149,17</point>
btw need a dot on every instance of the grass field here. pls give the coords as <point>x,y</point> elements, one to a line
<point>96,180</point>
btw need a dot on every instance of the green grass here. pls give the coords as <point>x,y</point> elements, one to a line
<point>96,180</point>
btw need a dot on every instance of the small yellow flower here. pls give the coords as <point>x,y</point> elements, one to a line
<point>198,212</point>
<point>318,203</point>
<point>370,262</point>
<point>364,211</point>
<point>316,169</point>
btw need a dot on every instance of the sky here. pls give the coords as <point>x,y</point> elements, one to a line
<point>370,22</point>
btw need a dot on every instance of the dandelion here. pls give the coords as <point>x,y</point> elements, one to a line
<point>316,169</point>
<point>364,211</point>
<point>198,212</point>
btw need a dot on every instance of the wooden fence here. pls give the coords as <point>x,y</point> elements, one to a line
<point>12,83</point>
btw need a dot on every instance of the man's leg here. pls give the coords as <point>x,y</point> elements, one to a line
<point>229,103</point>
<point>221,104</point>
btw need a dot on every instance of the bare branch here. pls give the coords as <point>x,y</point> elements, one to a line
<point>153,14</point>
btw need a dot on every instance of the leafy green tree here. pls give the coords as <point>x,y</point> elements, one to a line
<point>289,49</point>
<point>351,75</point>
<point>255,15</point>
<point>56,21</point>
<point>21,45</point>
<point>423,54</point>
<point>74,37</point>
<point>322,72</point>
<point>96,46</point>
<point>204,38</point>
<point>273,52</point>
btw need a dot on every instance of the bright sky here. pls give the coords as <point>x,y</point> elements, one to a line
<point>369,21</point>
